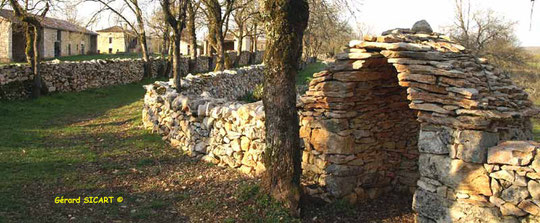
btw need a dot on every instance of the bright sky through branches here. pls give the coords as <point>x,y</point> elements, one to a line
<point>381,15</point>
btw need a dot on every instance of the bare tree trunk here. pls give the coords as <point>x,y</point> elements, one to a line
<point>240,41</point>
<point>191,29</point>
<point>33,34</point>
<point>35,61</point>
<point>177,25</point>
<point>169,58</point>
<point>142,40</point>
<point>29,52</point>
<point>220,65</point>
<point>177,73</point>
<point>145,56</point>
<point>285,30</point>
<point>255,37</point>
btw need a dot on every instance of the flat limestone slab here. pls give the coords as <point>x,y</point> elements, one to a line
<point>517,153</point>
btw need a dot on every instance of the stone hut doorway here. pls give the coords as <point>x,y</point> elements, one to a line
<point>362,138</point>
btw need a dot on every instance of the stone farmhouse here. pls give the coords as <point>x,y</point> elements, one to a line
<point>60,38</point>
<point>232,44</point>
<point>116,39</point>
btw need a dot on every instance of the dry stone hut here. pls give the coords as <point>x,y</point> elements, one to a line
<point>412,111</point>
<point>409,111</point>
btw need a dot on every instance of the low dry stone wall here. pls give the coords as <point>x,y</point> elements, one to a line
<point>408,111</point>
<point>16,80</point>
<point>207,121</point>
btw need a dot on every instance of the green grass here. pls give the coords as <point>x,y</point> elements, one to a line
<point>57,145</point>
<point>536,124</point>
<point>536,129</point>
<point>259,207</point>
<point>305,75</point>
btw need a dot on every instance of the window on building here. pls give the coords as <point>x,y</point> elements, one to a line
<point>58,35</point>
<point>69,49</point>
<point>188,50</point>
<point>110,39</point>
<point>110,50</point>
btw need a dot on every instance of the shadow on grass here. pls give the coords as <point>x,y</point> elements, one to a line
<point>44,145</point>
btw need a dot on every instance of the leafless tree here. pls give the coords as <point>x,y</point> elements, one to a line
<point>327,31</point>
<point>177,24</point>
<point>218,14</point>
<point>33,34</point>
<point>486,34</point>
<point>193,9</point>
<point>244,12</point>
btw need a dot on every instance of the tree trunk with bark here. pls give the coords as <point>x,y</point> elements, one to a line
<point>177,72</point>
<point>36,62</point>
<point>177,24</point>
<point>191,29</point>
<point>285,23</point>
<point>33,34</point>
<point>255,39</point>
<point>142,40</point>
<point>218,42</point>
<point>240,42</point>
<point>145,56</point>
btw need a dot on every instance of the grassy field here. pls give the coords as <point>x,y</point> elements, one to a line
<point>528,77</point>
<point>92,144</point>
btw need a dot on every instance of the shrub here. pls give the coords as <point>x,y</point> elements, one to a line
<point>258,92</point>
<point>253,96</point>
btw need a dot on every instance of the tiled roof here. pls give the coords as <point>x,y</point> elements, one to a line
<point>49,23</point>
<point>112,29</point>
<point>117,29</point>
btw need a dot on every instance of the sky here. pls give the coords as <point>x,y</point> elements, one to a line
<point>381,15</point>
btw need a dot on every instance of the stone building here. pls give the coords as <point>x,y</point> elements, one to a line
<point>232,43</point>
<point>116,39</point>
<point>60,38</point>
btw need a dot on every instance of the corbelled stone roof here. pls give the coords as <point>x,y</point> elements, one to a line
<point>445,82</point>
<point>48,22</point>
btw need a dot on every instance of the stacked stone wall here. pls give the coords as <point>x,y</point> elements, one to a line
<point>16,79</point>
<point>207,121</point>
